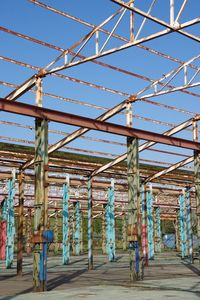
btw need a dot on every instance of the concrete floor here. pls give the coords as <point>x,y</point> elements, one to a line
<point>166,277</point>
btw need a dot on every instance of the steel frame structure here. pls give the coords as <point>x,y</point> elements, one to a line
<point>187,73</point>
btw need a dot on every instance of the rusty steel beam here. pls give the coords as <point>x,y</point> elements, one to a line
<point>171,168</point>
<point>70,119</point>
<point>146,145</point>
<point>101,88</point>
<point>161,22</point>
<point>81,21</point>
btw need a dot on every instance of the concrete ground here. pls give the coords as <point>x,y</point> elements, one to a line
<point>166,277</point>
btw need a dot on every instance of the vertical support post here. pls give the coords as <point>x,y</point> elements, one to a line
<point>189,226</point>
<point>150,224</point>
<point>77,229</point>
<point>144,225</point>
<point>132,22</point>
<point>177,230</point>
<point>41,196</point>
<point>81,232</point>
<point>29,235</point>
<point>183,227</point>
<point>134,238</point>
<point>10,222</point>
<point>56,229</point>
<point>20,226</point>
<point>3,230</point>
<point>157,230</point>
<point>104,230</point>
<point>197,183</point>
<point>90,226</point>
<point>111,223</point>
<point>65,242</point>
<point>172,12</point>
<point>124,232</point>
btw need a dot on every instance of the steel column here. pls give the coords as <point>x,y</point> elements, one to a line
<point>111,224</point>
<point>41,197</point>
<point>66,244</point>
<point>90,226</point>
<point>189,226</point>
<point>76,233</point>
<point>144,226</point>
<point>81,232</point>
<point>183,226</point>
<point>29,233</point>
<point>150,225</point>
<point>56,230</point>
<point>197,185</point>
<point>124,232</point>
<point>177,230</point>
<point>3,232</point>
<point>136,272</point>
<point>104,230</point>
<point>10,222</point>
<point>157,230</point>
<point>20,225</point>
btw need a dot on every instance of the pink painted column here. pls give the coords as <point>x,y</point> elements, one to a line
<point>2,240</point>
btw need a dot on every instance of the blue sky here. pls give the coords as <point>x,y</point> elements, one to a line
<point>30,19</point>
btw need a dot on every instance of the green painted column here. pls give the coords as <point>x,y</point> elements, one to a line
<point>157,230</point>
<point>90,226</point>
<point>20,227</point>
<point>41,196</point>
<point>77,228</point>
<point>177,230</point>
<point>134,222</point>
<point>124,232</point>
<point>104,229</point>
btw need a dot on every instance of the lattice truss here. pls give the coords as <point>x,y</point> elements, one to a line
<point>108,60</point>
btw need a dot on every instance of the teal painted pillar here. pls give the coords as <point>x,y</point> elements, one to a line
<point>90,226</point>
<point>189,226</point>
<point>77,229</point>
<point>157,231</point>
<point>10,222</point>
<point>183,226</point>
<point>111,223</point>
<point>150,225</point>
<point>65,241</point>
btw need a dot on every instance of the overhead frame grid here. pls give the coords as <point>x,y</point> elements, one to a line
<point>125,149</point>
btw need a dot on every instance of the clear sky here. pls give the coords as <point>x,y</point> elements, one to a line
<point>30,19</point>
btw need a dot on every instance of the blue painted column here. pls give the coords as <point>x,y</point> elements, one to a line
<point>77,229</point>
<point>189,226</point>
<point>144,225</point>
<point>111,223</point>
<point>10,222</point>
<point>150,225</point>
<point>90,226</point>
<point>65,242</point>
<point>183,226</point>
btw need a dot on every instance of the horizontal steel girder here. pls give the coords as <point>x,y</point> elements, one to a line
<point>71,119</point>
